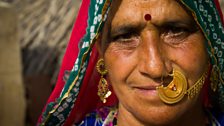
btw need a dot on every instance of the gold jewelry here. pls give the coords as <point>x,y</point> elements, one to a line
<point>177,88</point>
<point>103,87</point>
<point>214,78</point>
<point>195,89</point>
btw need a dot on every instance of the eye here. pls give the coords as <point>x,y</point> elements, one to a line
<point>125,37</point>
<point>128,41</point>
<point>176,31</point>
<point>176,34</point>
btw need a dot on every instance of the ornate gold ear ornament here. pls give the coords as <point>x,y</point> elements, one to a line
<point>177,88</point>
<point>214,78</point>
<point>103,87</point>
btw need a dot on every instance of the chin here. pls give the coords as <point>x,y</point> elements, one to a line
<point>158,114</point>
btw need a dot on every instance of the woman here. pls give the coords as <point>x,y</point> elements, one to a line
<point>162,59</point>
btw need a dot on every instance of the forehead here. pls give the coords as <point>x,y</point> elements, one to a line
<point>160,10</point>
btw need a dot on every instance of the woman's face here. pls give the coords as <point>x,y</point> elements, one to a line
<point>138,53</point>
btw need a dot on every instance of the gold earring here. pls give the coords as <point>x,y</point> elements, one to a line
<point>176,89</point>
<point>214,78</point>
<point>103,87</point>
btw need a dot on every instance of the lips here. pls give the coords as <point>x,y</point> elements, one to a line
<point>145,90</point>
<point>146,93</point>
<point>146,87</point>
<point>152,86</point>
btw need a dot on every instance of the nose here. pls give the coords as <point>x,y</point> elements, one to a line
<point>151,60</point>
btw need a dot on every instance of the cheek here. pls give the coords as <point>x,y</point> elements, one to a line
<point>192,59</point>
<point>119,63</point>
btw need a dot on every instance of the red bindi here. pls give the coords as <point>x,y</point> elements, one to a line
<point>148,17</point>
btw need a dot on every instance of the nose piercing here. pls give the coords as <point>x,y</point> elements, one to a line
<point>148,17</point>
<point>162,80</point>
<point>175,90</point>
<point>178,88</point>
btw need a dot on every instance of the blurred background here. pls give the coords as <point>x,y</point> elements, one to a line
<point>33,39</point>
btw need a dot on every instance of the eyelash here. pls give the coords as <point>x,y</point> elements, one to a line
<point>169,34</point>
<point>176,29</point>
<point>125,37</point>
<point>175,35</point>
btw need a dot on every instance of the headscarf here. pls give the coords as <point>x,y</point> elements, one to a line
<point>75,96</point>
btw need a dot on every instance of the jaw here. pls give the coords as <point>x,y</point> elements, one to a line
<point>140,113</point>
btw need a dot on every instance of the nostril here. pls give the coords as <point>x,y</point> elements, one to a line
<point>167,80</point>
<point>158,80</point>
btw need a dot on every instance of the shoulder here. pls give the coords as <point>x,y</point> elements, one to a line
<point>215,118</point>
<point>100,117</point>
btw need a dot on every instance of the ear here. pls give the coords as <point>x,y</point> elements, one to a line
<point>99,46</point>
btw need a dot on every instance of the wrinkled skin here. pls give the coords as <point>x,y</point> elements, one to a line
<point>138,53</point>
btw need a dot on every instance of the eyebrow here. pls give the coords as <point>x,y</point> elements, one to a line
<point>136,28</point>
<point>180,23</point>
